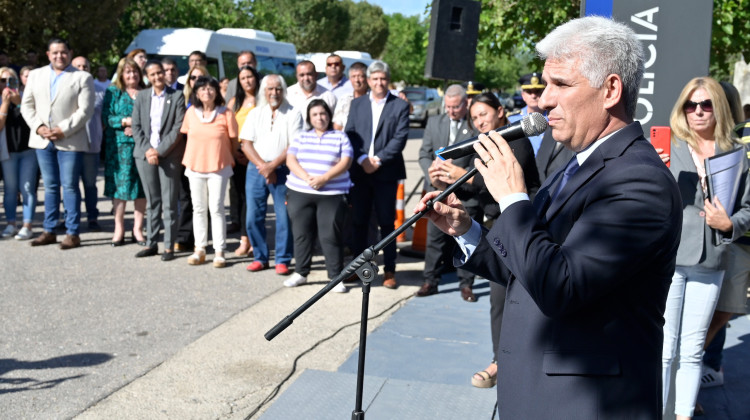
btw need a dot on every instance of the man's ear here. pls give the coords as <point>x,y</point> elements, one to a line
<point>613,90</point>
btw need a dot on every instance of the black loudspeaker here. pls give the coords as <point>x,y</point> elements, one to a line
<point>453,39</point>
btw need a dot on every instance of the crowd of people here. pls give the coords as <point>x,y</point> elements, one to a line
<point>664,272</point>
<point>174,150</point>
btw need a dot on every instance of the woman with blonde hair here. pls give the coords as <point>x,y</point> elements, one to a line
<point>121,180</point>
<point>701,123</point>
<point>192,75</point>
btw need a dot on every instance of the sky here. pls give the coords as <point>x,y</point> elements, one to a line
<point>405,7</point>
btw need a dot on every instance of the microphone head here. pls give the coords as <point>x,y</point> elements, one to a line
<point>533,124</point>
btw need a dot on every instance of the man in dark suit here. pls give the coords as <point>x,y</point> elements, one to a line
<point>378,127</point>
<point>157,117</point>
<point>551,156</point>
<point>443,130</point>
<point>588,263</point>
<point>171,73</point>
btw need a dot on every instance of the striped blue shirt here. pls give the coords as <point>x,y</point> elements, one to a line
<point>317,155</point>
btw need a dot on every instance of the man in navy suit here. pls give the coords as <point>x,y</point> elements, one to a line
<point>378,127</point>
<point>588,264</point>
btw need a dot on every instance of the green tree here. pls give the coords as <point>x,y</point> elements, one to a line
<point>730,36</point>
<point>29,25</point>
<point>368,28</point>
<point>405,50</point>
<point>311,25</point>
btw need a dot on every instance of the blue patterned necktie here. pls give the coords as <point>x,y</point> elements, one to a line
<point>570,169</point>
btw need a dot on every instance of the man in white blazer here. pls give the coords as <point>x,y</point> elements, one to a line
<point>57,104</point>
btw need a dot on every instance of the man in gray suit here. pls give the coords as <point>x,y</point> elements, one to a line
<point>443,130</point>
<point>157,118</point>
<point>57,104</point>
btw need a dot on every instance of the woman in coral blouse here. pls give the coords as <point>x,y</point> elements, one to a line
<point>212,132</point>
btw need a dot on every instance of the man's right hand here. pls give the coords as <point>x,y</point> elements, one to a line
<point>45,132</point>
<point>450,217</point>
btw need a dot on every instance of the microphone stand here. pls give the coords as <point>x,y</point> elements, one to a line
<point>366,270</point>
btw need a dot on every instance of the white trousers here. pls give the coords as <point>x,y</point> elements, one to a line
<point>207,194</point>
<point>690,305</point>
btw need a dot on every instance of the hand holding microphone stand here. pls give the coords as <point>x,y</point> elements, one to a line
<point>366,269</point>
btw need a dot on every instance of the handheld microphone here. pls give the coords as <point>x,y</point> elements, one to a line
<point>530,125</point>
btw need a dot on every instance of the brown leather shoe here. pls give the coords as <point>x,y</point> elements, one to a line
<point>46,238</point>
<point>70,242</point>
<point>467,294</point>
<point>389,280</point>
<point>427,289</point>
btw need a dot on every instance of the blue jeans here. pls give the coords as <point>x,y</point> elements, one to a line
<point>89,171</point>
<point>61,169</point>
<point>19,173</point>
<point>256,193</point>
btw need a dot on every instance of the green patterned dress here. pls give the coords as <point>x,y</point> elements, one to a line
<point>121,180</point>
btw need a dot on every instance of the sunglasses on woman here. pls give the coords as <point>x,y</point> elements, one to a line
<point>7,79</point>
<point>706,105</point>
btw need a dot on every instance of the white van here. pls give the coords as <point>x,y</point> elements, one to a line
<point>348,57</point>
<point>221,47</point>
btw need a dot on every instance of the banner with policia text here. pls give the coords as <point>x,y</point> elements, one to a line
<point>676,36</point>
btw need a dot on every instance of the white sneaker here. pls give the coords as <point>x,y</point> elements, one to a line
<point>24,234</point>
<point>295,280</point>
<point>9,231</point>
<point>711,378</point>
<point>340,288</point>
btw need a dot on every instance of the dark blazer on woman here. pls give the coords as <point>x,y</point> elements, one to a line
<point>588,278</point>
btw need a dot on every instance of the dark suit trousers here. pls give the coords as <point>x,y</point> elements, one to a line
<point>238,181</point>
<point>161,184</point>
<point>365,195</point>
<point>185,224</point>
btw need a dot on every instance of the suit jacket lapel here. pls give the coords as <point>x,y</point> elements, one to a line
<point>613,147</point>
<point>165,112</point>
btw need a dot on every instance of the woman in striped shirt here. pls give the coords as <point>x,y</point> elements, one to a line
<point>319,161</point>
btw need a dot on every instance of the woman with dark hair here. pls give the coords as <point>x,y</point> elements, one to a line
<point>241,104</point>
<point>18,160</point>
<point>487,114</point>
<point>212,133</point>
<point>319,161</point>
<point>121,180</point>
<point>701,123</point>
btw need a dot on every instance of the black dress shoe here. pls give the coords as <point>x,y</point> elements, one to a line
<point>167,256</point>
<point>121,242</point>
<point>94,226</point>
<point>136,241</point>
<point>427,289</point>
<point>468,295</point>
<point>147,252</point>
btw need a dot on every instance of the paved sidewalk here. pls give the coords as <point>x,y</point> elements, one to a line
<point>419,365</point>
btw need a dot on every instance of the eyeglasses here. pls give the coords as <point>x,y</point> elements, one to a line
<point>706,105</point>
<point>194,77</point>
<point>7,79</point>
<point>333,64</point>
